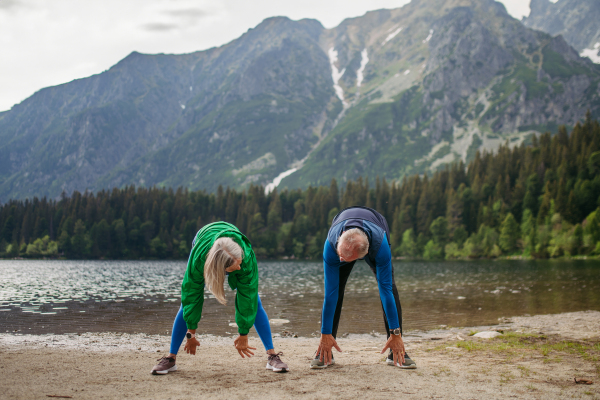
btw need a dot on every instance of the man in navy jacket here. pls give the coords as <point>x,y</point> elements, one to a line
<point>359,233</point>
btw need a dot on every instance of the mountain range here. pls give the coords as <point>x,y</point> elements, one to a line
<point>293,104</point>
<point>575,20</point>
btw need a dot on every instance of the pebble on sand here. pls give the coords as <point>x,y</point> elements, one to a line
<point>276,321</point>
<point>487,334</point>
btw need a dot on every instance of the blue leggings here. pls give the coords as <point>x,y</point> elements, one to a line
<point>261,324</point>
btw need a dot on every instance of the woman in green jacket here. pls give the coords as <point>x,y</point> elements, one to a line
<point>220,249</point>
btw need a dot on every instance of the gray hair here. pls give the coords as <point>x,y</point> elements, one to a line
<point>351,241</point>
<point>222,255</point>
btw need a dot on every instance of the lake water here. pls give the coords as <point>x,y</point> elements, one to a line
<point>38,296</point>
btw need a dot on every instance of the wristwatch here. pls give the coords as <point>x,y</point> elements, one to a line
<point>395,331</point>
<point>189,335</point>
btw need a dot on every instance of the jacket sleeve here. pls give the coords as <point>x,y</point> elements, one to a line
<point>385,281</point>
<point>192,294</point>
<point>331,267</point>
<point>246,297</point>
<point>246,307</point>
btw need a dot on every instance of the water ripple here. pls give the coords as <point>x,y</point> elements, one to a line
<point>143,296</point>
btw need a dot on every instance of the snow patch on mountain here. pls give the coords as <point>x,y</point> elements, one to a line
<point>336,75</point>
<point>364,59</point>
<point>271,186</point>
<point>391,36</point>
<point>592,54</point>
<point>428,38</point>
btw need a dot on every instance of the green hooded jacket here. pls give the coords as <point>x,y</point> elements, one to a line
<point>245,280</point>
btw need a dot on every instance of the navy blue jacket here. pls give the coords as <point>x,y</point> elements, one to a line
<point>379,258</point>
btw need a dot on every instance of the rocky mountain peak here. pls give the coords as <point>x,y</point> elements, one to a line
<point>575,20</point>
<point>391,93</point>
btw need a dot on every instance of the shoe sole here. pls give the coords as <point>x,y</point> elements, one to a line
<point>391,363</point>
<point>272,368</point>
<point>165,371</point>
<point>316,366</point>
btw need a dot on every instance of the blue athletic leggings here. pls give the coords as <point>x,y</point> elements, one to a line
<point>261,324</point>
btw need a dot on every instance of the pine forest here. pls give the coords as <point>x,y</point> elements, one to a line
<point>536,200</point>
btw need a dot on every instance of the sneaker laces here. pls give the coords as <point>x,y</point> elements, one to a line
<point>391,355</point>
<point>318,357</point>
<point>165,358</point>
<point>275,356</point>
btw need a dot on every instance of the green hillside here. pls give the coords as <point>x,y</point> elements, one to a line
<point>459,76</point>
<point>389,94</point>
<point>536,201</point>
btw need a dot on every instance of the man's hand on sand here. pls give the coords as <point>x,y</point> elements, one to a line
<point>396,344</point>
<point>241,345</point>
<point>190,345</point>
<point>324,350</point>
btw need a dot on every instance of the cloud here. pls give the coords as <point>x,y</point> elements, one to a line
<point>71,39</point>
<point>169,20</point>
<point>188,13</point>
<point>517,8</point>
<point>8,5</point>
<point>160,26</point>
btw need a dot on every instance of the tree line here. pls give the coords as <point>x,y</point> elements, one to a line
<point>539,200</point>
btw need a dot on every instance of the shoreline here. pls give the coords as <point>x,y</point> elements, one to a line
<point>573,325</point>
<point>451,364</point>
<point>286,258</point>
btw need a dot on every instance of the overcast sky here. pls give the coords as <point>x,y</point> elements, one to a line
<point>49,42</point>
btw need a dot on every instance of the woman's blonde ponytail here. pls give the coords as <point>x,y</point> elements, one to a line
<point>222,255</point>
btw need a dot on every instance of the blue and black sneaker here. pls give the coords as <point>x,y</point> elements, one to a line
<point>316,363</point>
<point>407,364</point>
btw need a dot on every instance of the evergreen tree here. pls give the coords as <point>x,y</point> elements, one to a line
<point>546,188</point>
<point>408,248</point>
<point>509,234</point>
<point>439,230</point>
<point>80,242</point>
<point>592,225</point>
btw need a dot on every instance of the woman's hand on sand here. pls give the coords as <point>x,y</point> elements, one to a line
<point>324,350</point>
<point>396,344</point>
<point>190,345</point>
<point>241,345</point>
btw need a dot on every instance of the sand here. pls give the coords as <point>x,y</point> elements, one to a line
<point>116,366</point>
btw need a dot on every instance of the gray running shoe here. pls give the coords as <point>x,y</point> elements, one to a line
<point>318,364</point>
<point>407,364</point>
<point>164,366</point>
<point>275,364</point>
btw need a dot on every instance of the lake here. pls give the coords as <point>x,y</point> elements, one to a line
<point>57,296</point>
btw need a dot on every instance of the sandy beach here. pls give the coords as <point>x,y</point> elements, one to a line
<point>534,357</point>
